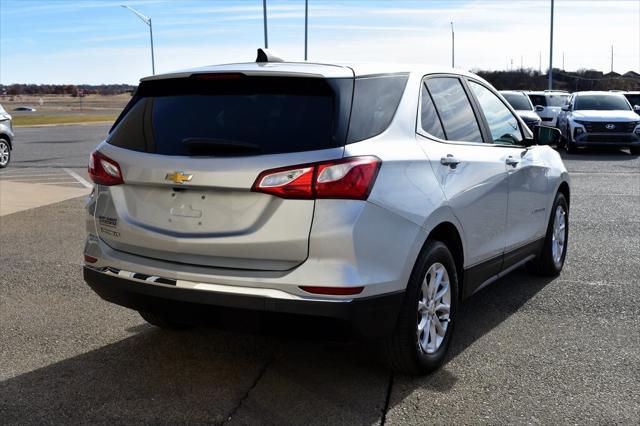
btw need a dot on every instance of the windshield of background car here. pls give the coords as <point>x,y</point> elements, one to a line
<point>234,114</point>
<point>518,101</point>
<point>601,103</point>
<point>538,100</point>
<point>556,100</point>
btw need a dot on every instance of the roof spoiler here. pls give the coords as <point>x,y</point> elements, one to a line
<point>267,55</point>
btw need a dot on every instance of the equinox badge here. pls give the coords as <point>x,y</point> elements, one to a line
<point>178,177</point>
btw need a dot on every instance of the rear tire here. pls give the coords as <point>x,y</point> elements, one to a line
<point>163,321</point>
<point>554,251</point>
<point>5,153</point>
<point>425,325</point>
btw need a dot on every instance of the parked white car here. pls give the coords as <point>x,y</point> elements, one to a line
<point>599,119</point>
<point>547,104</point>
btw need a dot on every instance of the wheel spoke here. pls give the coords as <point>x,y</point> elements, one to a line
<point>433,336</point>
<point>444,290</point>
<point>443,309</point>
<point>438,326</point>
<point>422,306</point>
<point>425,322</point>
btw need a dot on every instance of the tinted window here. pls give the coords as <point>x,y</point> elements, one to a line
<point>633,99</point>
<point>375,100</point>
<point>502,123</point>
<point>538,100</point>
<point>237,115</point>
<point>601,102</point>
<point>519,101</point>
<point>429,120</point>
<point>455,111</point>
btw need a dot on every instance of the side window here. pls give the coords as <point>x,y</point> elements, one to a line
<point>451,101</point>
<point>504,126</point>
<point>375,100</point>
<point>538,100</point>
<point>429,120</point>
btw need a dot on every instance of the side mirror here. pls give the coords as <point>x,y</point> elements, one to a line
<point>636,109</point>
<point>566,108</point>
<point>545,135</point>
<point>539,108</point>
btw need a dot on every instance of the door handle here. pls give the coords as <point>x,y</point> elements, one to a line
<point>512,161</point>
<point>450,161</point>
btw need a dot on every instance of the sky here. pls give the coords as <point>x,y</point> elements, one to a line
<point>99,42</point>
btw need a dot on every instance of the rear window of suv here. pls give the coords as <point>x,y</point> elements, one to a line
<point>234,114</point>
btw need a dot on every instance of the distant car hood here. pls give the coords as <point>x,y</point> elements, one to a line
<point>605,115</point>
<point>528,115</point>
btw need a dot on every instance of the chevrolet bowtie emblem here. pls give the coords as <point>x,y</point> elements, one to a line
<point>178,177</point>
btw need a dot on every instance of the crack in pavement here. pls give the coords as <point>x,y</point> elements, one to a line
<point>261,373</point>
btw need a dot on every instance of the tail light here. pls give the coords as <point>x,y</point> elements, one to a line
<point>103,170</point>
<point>350,178</point>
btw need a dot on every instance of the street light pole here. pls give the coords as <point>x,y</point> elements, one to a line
<point>551,51</point>
<point>148,22</point>
<point>264,14</point>
<point>306,26</point>
<point>453,47</point>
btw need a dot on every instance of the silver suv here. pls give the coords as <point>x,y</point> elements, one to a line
<point>382,196</point>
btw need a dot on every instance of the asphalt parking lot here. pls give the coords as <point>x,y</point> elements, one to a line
<point>526,350</point>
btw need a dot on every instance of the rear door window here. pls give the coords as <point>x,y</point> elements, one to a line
<point>213,115</point>
<point>455,111</point>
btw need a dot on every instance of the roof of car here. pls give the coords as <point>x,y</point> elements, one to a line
<point>598,92</point>
<point>311,69</point>
<point>547,92</point>
<point>516,92</point>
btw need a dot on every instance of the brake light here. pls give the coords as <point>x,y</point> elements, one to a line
<point>349,178</point>
<point>333,291</point>
<point>103,170</point>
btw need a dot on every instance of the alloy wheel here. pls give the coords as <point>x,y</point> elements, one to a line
<point>4,153</point>
<point>558,238</point>
<point>434,305</point>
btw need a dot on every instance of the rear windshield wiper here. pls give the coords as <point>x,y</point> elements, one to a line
<point>217,146</point>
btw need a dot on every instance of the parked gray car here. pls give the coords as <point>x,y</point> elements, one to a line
<point>6,138</point>
<point>523,106</point>
<point>379,195</point>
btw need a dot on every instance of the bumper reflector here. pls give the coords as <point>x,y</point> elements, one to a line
<point>334,291</point>
<point>90,259</point>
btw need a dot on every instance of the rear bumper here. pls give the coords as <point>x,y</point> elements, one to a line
<point>370,317</point>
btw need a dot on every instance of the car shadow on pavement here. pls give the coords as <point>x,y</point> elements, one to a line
<point>208,375</point>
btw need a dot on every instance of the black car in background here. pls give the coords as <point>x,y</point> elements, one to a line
<point>523,106</point>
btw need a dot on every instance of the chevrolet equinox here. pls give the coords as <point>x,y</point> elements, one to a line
<point>379,195</point>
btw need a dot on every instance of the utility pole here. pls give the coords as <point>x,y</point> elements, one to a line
<point>149,24</point>
<point>562,61</point>
<point>521,63</point>
<point>612,58</point>
<point>306,26</point>
<point>453,47</point>
<point>264,14</point>
<point>551,51</point>
<point>540,62</point>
